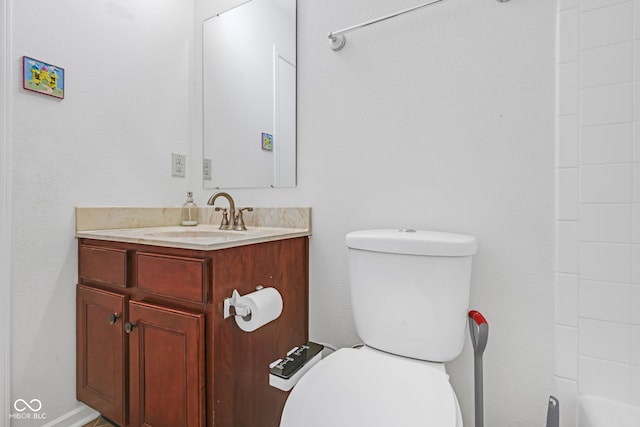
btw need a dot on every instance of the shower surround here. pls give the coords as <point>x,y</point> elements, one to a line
<point>597,315</point>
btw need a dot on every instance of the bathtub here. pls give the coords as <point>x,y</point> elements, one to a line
<point>598,412</point>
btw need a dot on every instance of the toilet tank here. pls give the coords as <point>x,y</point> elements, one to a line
<point>410,290</point>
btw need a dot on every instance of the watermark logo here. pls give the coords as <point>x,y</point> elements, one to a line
<point>28,410</point>
<point>21,405</point>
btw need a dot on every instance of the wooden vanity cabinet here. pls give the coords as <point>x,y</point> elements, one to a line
<point>153,348</point>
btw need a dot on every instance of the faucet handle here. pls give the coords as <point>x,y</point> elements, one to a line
<point>224,224</point>
<point>239,220</point>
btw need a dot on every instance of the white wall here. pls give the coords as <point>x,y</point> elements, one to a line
<point>5,226</point>
<point>441,119</point>
<point>126,107</point>
<point>598,208</point>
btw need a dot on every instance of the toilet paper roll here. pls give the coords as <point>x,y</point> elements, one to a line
<point>265,306</point>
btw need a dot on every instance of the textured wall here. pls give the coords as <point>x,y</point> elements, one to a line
<point>128,69</point>
<point>5,230</point>
<point>441,119</point>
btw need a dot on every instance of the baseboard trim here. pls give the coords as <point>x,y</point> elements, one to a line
<point>75,418</point>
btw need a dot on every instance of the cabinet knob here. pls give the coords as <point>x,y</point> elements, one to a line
<point>113,318</point>
<point>128,327</point>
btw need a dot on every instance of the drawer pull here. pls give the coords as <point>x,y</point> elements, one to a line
<point>128,327</point>
<point>113,318</point>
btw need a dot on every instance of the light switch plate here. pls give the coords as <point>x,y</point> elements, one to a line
<point>178,164</point>
<point>206,169</point>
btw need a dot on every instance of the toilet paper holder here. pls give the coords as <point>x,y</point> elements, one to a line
<point>254,309</point>
<point>231,306</point>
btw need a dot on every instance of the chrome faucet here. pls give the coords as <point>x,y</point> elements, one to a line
<point>235,220</point>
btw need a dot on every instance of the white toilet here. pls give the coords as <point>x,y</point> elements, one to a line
<point>410,296</point>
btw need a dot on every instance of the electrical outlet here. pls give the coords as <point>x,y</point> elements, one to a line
<point>206,169</point>
<point>178,164</point>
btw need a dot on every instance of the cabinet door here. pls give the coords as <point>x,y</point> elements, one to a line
<point>166,362</point>
<point>100,351</point>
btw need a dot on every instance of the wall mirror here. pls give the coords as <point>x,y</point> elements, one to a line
<point>249,96</point>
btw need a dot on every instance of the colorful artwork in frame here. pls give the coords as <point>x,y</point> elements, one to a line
<point>43,78</point>
<point>267,142</point>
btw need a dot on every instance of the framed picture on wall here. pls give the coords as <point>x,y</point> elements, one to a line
<point>43,78</point>
<point>267,141</point>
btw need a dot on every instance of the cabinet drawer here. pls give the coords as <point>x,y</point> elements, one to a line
<point>172,276</point>
<point>102,265</point>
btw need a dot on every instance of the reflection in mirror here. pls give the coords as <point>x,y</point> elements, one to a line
<point>249,95</point>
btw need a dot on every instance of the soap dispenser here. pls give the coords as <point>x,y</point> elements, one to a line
<point>189,211</point>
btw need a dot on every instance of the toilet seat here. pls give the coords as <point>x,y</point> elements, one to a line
<point>366,387</point>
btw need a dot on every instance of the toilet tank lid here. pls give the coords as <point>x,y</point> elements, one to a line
<point>412,242</point>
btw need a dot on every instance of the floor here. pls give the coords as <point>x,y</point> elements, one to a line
<point>99,422</point>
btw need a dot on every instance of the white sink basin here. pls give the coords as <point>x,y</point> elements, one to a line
<point>193,234</point>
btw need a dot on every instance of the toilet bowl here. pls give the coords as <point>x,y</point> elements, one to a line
<point>410,298</point>
<point>367,387</point>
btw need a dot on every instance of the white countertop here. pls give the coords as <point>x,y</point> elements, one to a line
<point>158,226</point>
<point>200,237</point>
